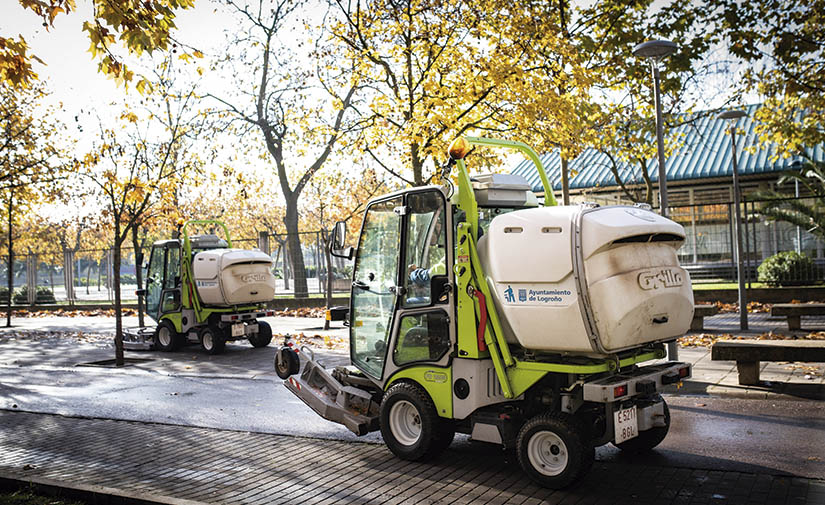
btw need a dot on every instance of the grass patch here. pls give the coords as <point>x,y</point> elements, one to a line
<point>703,286</point>
<point>726,285</point>
<point>28,497</point>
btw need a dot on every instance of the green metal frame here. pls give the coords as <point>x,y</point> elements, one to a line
<point>516,376</point>
<point>189,294</point>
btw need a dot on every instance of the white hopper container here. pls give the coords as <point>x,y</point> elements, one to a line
<point>587,280</point>
<point>233,276</point>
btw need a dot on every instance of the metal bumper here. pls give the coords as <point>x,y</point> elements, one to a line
<point>139,338</point>
<point>333,401</point>
<point>246,316</point>
<point>640,381</point>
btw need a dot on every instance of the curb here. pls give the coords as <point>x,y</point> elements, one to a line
<point>92,494</point>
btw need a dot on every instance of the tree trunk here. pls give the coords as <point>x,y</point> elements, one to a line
<point>296,254</point>
<point>99,271</point>
<point>118,316</point>
<point>88,276</point>
<point>648,182</point>
<point>138,270</point>
<point>565,183</point>
<point>11,262</point>
<point>417,165</point>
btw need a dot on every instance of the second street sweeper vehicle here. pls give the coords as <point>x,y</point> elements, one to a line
<point>526,325</point>
<point>200,289</point>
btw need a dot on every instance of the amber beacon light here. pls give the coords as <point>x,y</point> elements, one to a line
<point>459,148</point>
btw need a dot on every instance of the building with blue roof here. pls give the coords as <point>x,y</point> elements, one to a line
<point>699,170</point>
<point>700,190</point>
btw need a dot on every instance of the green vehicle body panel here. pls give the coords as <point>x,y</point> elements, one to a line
<point>175,319</point>
<point>437,381</point>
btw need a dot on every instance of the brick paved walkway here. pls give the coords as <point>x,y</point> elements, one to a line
<point>182,464</point>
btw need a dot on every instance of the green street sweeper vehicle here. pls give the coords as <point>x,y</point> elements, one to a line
<point>478,310</point>
<point>200,289</point>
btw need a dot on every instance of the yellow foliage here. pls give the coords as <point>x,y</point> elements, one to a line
<point>131,25</point>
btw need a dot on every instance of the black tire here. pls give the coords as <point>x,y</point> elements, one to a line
<point>286,362</point>
<point>444,436</point>
<point>166,337</point>
<point>263,337</point>
<point>410,425</point>
<point>554,450</point>
<point>648,439</point>
<point>212,340</point>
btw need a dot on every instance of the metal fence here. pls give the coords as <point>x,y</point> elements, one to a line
<point>709,250</point>
<point>86,276</point>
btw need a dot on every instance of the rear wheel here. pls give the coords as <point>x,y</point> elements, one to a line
<point>410,425</point>
<point>553,450</point>
<point>166,336</point>
<point>286,362</point>
<point>212,340</point>
<point>263,337</point>
<point>648,439</point>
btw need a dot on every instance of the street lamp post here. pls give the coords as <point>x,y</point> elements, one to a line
<point>733,115</point>
<point>655,51</point>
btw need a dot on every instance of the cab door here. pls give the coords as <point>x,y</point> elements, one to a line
<point>163,280</point>
<point>154,280</point>
<point>375,285</point>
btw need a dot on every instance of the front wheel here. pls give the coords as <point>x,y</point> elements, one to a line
<point>410,425</point>
<point>553,450</point>
<point>650,438</point>
<point>286,362</point>
<point>263,337</point>
<point>166,336</point>
<point>212,340</point>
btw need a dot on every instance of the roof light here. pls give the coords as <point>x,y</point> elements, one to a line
<point>459,148</point>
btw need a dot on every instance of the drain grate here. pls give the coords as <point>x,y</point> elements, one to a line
<point>110,363</point>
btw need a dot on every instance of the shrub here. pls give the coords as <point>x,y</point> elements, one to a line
<point>44,295</point>
<point>4,295</point>
<point>788,269</point>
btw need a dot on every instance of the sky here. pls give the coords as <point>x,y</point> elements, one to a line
<point>85,94</point>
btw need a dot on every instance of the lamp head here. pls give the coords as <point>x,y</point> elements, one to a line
<point>656,49</point>
<point>732,114</point>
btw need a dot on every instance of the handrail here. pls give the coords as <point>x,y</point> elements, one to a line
<point>549,198</point>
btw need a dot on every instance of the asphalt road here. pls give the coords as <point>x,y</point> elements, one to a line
<point>239,391</point>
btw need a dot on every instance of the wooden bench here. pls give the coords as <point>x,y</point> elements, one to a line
<point>795,311</point>
<point>748,354</point>
<point>700,312</point>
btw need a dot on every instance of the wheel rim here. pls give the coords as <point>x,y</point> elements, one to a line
<point>283,365</point>
<point>547,453</point>
<point>164,336</point>
<point>206,340</point>
<point>405,422</point>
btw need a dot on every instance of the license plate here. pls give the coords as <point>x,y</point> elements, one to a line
<point>625,423</point>
<point>237,330</point>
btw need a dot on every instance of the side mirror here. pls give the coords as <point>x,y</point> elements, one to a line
<point>339,235</point>
<point>337,241</point>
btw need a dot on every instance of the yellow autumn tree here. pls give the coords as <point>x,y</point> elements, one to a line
<point>33,157</point>
<point>139,166</point>
<point>293,106</point>
<point>133,26</point>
